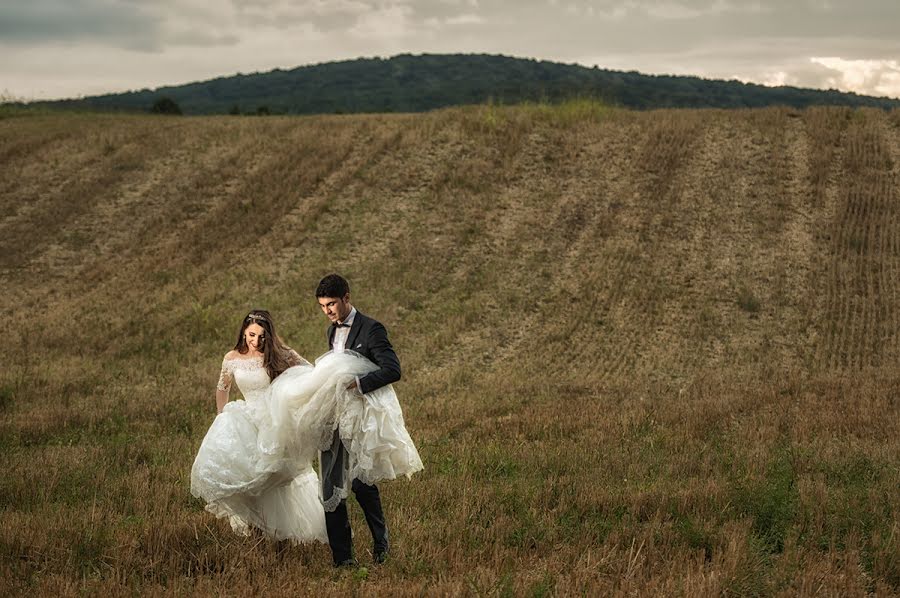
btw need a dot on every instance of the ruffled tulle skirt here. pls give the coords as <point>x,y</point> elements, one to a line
<point>255,463</point>
<point>254,483</point>
<point>307,407</point>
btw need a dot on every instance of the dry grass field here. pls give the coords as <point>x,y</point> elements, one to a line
<point>644,353</point>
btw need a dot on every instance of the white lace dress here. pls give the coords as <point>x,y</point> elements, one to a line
<point>255,463</point>
<point>243,471</point>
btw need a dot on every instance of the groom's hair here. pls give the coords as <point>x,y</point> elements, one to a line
<point>333,285</point>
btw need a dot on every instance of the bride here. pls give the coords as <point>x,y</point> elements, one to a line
<point>255,464</point>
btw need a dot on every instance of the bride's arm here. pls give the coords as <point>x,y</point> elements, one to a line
<point>294,358</point>
<point>223,388</point>
<point>221,399</point>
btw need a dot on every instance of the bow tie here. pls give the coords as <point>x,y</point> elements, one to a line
<point>341,325</point>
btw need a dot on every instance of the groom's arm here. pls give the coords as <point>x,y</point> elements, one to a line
<point>384,357</point>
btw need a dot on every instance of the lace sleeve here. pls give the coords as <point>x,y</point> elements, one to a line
<point>225,377</point>
<point>294,358</point>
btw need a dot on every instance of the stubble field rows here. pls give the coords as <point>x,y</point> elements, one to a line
<point>646,353</point>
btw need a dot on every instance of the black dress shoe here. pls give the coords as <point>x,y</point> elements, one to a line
<point>347,563</point>
<point>379,557</point>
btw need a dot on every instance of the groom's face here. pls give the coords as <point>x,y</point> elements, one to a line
<point>336,309</point>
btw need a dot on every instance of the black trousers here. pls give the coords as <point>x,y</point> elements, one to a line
<point>337,523</point>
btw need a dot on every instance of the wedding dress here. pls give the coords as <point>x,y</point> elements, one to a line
<point>244,476</point>
<point>255,463</point>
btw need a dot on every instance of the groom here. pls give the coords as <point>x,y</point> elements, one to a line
<point>352,331</point>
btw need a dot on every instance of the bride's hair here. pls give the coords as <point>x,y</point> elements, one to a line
<point>275,354</point>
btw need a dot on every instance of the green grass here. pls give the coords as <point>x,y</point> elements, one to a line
<point>748,301</point>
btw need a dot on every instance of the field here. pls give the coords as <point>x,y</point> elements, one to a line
<point>644,353</point>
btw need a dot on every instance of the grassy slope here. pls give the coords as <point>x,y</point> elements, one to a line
<point>641,350</point>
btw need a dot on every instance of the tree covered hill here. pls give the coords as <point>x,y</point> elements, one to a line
<point>416,83</point>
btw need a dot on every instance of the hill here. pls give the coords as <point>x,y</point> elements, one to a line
<point>408,83</point>
<point>644,352</point>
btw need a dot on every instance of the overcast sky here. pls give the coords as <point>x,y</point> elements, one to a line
<point>71,48</point>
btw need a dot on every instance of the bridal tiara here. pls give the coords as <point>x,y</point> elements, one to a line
<point>256,317</point>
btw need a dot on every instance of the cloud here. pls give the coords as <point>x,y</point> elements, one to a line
<point>694,10</point>
<point>123,24</point>
<point>324,15</point>
<point>385,23</point>
<point>465,19</point>
<point>662,10</point>
<point>862,76</point>
<point>202,38</point>
<point>172,41</point>
<point>867,77</point>
<point>377,19</point>
<point>68,21</point>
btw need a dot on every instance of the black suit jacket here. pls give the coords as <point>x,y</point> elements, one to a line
<point>369,338</point>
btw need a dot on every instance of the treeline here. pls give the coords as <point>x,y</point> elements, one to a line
<point>408,83</point>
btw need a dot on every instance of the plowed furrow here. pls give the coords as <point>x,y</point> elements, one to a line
<point>862,288</point>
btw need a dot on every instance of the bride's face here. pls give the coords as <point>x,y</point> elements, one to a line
<point>254,336</point>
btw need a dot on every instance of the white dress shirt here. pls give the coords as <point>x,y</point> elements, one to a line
<point>339,344</point>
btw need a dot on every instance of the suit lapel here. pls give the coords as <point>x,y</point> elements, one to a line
<point>354,332</point>
<point>330,335</point>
